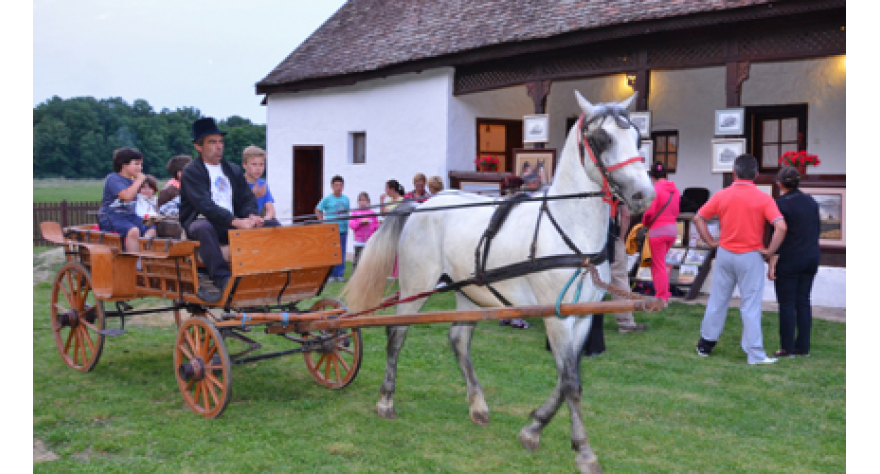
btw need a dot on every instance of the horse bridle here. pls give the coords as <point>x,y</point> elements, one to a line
<point>621,117</point>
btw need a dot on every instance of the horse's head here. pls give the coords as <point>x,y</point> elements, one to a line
<point>610,152</point>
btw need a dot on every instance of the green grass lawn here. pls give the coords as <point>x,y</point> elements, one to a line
<point>56,190</point>
<point>650,405</point>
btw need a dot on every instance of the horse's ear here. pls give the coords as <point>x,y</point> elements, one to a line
<point>629,102</point>
<point>585,105</point>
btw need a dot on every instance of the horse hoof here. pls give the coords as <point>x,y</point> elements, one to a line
<point>480,417</point>
<point>386,411</point>
<point>588,463</point>
<point>529,439</point>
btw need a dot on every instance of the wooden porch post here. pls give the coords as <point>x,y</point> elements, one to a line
<point>538,91</point>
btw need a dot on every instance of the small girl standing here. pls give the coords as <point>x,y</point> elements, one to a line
<point>364,223</point>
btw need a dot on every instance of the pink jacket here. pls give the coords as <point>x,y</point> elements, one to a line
<point>663,189</point>
<point>363,230</point>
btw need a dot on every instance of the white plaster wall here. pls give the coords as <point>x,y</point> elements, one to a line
<point>404,117</point>
<point>821,83</point>
<point>510,103</point>
<point>686,101</point>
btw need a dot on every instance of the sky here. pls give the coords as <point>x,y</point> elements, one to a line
<point>171,53</point>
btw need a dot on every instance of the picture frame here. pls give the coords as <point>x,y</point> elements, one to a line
<point>832,214</point>
<point>675,255</point>
<point>642,121</point>
<point>730,121</point>
<point>644,274</point>
<point>483,188</point>
<point>536,128</point>
<point>647,151</point>
<point>687,274</point>
<point>535,166</point>
<point>696,256</point>
<point>724,152</point>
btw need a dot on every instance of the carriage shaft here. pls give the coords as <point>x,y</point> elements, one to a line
<point>482,314</point>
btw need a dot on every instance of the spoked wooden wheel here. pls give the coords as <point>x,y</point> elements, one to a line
<point>202,367</point>
<point>77,318</point>
<point>336,363</point>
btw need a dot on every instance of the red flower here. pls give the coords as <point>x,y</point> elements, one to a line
<point>486,160</point>
<point>799,158</point>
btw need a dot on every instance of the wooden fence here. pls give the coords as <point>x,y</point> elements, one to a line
<point>65,213</point>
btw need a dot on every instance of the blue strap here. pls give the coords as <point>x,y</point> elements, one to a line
<point>244,319</point>
<point>577,293</point>
<point>285,318</point>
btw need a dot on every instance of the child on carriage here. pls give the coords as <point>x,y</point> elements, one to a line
<point>119,198</point>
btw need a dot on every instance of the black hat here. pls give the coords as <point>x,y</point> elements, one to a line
<point>205,126</point>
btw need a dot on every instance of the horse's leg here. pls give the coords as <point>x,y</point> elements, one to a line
<point>460,335</point>
<point>572,390</point>
<point>561,343</point>
<point>396,336</point>
<point>414,279</point>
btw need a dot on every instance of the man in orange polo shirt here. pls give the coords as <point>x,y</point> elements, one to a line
<point>742,211</point>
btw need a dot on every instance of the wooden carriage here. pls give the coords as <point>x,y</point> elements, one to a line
<point>273,270</point>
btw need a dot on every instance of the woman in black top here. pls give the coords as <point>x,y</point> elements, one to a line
<point>794,267</point>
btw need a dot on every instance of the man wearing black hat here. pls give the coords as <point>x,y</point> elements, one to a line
<point>214,198</point>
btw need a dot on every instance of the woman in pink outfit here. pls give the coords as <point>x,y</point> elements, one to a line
<point>660,220</point>
<point>364,223</point>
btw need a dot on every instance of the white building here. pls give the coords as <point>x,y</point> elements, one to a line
<point>385,90</point>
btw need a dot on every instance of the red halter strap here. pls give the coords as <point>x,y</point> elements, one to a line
<point>607,195</point>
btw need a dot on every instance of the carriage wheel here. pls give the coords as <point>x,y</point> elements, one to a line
<point>336,363</point>
<point>202,367</point>
<point>77,318</point>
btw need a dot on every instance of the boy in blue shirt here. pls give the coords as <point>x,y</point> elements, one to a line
<point>331,207</point>
<point>119,199</point>
<point>253,160</point>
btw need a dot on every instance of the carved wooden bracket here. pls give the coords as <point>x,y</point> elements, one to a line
<point>737,73</point>
<point>538,91</point>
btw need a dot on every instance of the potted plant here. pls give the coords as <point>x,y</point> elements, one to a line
<point>486,163</point>
<point>799,159</point>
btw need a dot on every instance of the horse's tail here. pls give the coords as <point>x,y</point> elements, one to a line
<point>365,288</point>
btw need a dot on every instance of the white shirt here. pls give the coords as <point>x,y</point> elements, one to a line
<point>221,189</point>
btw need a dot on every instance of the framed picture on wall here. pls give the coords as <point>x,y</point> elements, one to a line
<point>535,166</point>
<point>730,121</point>
<point>724,152</point>
<point>647,151</point>
<point>536,128</point>
<point>832,214</point>
<point>642,120</point>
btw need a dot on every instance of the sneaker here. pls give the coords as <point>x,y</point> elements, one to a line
<point>636,328</point>
<point>519,324</point>
<point>704,347</point>
<point>212,293</point>
<point>766,361</point>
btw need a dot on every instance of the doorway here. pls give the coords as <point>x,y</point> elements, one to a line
<point>498,138</point>
<point>308,178</point>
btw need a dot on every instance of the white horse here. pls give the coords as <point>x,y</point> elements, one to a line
<point>431,244</point>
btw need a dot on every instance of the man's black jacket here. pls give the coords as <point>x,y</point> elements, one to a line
<point>195,196</point>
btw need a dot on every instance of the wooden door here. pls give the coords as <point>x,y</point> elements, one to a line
<point>308,179</point>
<point>498,137</point>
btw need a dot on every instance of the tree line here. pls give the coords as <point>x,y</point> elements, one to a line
<point>75,138</point>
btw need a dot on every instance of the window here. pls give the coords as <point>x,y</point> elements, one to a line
<point>666,149</point>
<point>776,130</point>
<point>358,147</point>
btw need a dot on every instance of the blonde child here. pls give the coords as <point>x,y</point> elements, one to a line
<point>363,227</point>
<point>253,160</point>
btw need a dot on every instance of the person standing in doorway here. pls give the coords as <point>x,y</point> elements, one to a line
<point>742,211</point>
<point>794,268</point>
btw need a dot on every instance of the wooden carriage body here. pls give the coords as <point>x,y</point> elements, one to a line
<point>269,266</point>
